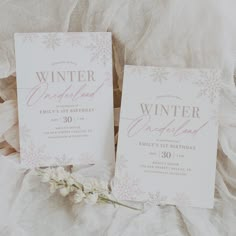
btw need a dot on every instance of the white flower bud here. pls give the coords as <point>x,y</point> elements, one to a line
<point>62,174</point>
<point>64,191</point>
<point>79,196</point>
<point>71,181</point>
<point>45,177</point>
<point>91,198</point>
<point>88,187</point>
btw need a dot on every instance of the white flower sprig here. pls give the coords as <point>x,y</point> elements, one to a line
<point>80,189</point>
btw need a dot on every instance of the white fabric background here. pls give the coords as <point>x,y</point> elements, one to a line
<point>183,33</point>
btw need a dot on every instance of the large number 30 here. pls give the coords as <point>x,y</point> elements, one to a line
<point>67,119</point>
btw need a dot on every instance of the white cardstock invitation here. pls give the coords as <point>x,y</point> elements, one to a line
<point>65,98</point>
<point>167,144</point>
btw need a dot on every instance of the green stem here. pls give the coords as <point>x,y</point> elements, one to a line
<point>119,203</point>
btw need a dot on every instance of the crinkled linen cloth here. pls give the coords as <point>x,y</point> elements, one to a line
<point>180,33</point>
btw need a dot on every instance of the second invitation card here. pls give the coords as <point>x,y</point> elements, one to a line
<point>168,130</point>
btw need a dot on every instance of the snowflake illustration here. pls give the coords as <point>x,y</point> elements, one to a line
<point>100,48</point>
<point>181,199</point>
<point>33,156</point>
<point>156,199</point>
<point>126,187</point>
<point>75,39</point>
<point>209,84</point>
<point>121,163</point>
<point>51,41</point>
<point>159,74</point>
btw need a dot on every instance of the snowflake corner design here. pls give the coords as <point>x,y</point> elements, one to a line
<point>100,48</point>
<point>155,199</point>
<point>33,156</point>
<point>159,74</point>
<point>209,85</point>
<point>51,41</point>
<point>126,188</point>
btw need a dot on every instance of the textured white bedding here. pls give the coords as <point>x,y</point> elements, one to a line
<point>182,33</point>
